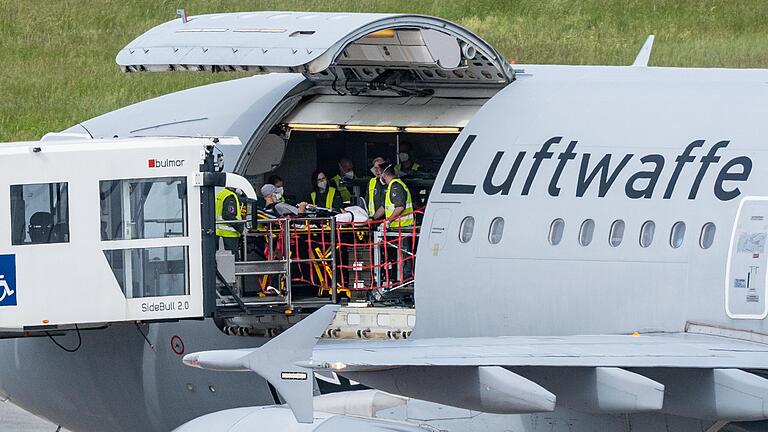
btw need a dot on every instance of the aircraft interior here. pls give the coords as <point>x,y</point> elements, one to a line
<point>317,133</point>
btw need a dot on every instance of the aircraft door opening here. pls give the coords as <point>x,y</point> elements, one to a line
<point>746,284</point>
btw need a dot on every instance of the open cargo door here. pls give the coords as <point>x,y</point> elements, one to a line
<point>333,49</point>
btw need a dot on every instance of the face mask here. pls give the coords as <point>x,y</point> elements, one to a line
<point>279,191</point>
<point>375,172</point>
<point>403,157</point>
<point>322,184</point>
<point>278,196</point>
<point>349,175</point>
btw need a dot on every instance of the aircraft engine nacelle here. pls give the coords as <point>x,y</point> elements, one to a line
<point>281,418</point>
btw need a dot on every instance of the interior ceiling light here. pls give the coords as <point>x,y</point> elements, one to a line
<point>433,130</point>
<point>313,127</point>
<point>386,33</point>
<point>379,129</point>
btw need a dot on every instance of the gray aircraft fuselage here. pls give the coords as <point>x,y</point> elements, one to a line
<point>573,143</point>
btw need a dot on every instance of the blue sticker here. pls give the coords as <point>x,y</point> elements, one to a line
<point>7,280</point>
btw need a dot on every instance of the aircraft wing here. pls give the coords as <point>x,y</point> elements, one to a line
<point>680,350</point>
<point>692,375</point>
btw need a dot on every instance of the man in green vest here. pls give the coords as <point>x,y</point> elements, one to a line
<point>376,189</point>
<point>398,205</point>
<point>398,211</point>
<point>343,179</point>
<point>229,208</point>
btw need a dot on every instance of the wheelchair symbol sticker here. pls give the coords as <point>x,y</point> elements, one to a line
<point>7,280</point>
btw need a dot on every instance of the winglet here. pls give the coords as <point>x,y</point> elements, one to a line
<point>276,361</point>
<point>644,56</point>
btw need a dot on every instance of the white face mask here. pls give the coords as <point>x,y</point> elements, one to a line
<point>279,191</point>
<point>278,196</point>
<point>322,184</point>
<point>350,175</point>
<point>375,172</point>
<point>403,157</point>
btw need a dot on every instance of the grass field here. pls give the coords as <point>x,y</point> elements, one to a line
<point>57,56</point>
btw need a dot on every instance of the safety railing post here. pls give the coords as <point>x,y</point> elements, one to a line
<point>333,260</point>
<point>287,252</point>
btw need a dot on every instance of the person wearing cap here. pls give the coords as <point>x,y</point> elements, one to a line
<point>276,208</point>
<point>343,179</point>
<point>278,182</point>
<point>376,189</point>
<point>229,208</point>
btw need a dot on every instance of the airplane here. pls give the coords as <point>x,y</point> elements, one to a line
<point>600,228</point>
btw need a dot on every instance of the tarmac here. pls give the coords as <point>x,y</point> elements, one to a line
<point>15,419</point>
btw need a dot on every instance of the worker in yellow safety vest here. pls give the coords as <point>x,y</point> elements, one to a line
<point>376,189</point>
<point>343,179</point>
<point>324,195</point>
<point>229,208</point>
<point>398,205</point>
<point>406,164</point>
<point>398,210</point>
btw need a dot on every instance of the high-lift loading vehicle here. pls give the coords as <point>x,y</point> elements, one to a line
<point>103,231</point>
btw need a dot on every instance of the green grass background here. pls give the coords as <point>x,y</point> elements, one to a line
<point>57,56</point>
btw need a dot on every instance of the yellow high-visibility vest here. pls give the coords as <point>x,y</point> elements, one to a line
<point>406,217</point>
<point>371,192</point>
<point>345,194</point>
<point>414,167</point>
<point>225,229</point>
<point>328,198</point>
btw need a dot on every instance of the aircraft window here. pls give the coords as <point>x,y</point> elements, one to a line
<point>466,229</point>
<point>586,232</point>
<point>39,213</point>
<point>143,208</point>
<point>151,272</point>
<point>707,235</point>
<point>497,230</point>
<point>646,233</point>
<point>617,233</point>
<point>677,235</point>
<point>556,231</point>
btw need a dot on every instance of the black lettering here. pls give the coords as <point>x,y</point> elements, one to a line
<point>651,176</point>
<point>602,167</point>
<point>680,161</point>
<point>449,186</point>
<point>710,158</point>
<point>492,189</point>
<point>725,175</point>
<point>540,155</point>
<point>563,159</point>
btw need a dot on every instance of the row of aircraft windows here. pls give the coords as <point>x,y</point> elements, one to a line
<point>587,232</point>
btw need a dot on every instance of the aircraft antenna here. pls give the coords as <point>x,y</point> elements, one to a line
<point>644,56</point>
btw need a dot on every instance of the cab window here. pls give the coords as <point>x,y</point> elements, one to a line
<point>143,208</point>
<point>39,213</point>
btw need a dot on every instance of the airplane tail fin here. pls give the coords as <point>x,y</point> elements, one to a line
<point>279,361</point>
